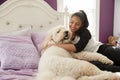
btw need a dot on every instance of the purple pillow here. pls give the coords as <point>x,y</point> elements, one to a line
<point>18,52</point>
<point>37,39</point>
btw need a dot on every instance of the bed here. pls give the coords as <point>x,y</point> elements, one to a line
<point>23,24</point>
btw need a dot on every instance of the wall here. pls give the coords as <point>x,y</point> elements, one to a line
<point>52,3</point>
<point>117,18</point>
<point>106,19</point>
<point>1,1</point>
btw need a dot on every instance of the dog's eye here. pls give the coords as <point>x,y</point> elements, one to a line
<point>58,31</point>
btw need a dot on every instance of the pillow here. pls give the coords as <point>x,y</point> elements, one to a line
<point>18,52</point>
<point>23,32</point>
<point>37,39</point>
<point>118,43</point>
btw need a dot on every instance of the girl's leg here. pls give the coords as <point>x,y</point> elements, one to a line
<point>111,52</point>
<point>106,67</point>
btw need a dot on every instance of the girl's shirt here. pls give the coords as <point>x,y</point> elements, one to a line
<point>84,41</point>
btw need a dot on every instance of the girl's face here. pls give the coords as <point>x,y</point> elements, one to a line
<point>75,24</point>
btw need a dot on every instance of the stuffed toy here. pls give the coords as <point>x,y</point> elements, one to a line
<point>114,41</point>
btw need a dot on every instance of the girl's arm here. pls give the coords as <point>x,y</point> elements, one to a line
<point>68,47</point>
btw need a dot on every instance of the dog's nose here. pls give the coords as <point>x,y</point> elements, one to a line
<point>66,32</point>
<point>66,35</point>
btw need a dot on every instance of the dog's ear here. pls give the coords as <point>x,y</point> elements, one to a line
<point>46,41</point>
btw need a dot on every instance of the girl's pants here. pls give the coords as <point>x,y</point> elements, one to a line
<point>113,54</point>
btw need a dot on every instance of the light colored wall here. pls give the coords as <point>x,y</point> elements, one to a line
<point>117,18</point>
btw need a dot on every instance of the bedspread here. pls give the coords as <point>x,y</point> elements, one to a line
<point>23,74</point>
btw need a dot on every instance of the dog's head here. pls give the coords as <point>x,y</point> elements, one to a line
<point>57,35</point>
<point>60,35</point>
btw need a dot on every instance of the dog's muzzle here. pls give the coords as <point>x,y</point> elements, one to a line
<point>66,35</point>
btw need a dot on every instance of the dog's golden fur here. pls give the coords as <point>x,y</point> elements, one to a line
<point>58,64</point>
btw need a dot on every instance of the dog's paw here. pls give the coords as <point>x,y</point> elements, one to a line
<point>110,62</point>
<point>107,61</point>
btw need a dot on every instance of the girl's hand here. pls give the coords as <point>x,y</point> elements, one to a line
<point>51,45</point>
<point>55,45</point>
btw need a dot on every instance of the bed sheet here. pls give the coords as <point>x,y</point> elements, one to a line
<point>23,74</point>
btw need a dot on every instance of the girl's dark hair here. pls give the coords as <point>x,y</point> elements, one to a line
<point>83,17</point>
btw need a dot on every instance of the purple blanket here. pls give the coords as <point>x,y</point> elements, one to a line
<point>24,74</point>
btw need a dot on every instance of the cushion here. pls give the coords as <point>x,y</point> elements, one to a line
<point>37,39</point>
<point>18,52</point>
<point>118,42</point>
<point>23,32</point>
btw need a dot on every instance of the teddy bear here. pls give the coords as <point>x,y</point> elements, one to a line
<point>112,40</point>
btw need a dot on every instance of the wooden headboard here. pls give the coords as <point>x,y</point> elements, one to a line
<point>37,14</point>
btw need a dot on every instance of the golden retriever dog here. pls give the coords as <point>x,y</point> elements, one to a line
<point>58,64</point>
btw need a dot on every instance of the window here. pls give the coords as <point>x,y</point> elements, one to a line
<point>91,7</point>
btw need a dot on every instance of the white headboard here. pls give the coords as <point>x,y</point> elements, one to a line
<point>18,14</point>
